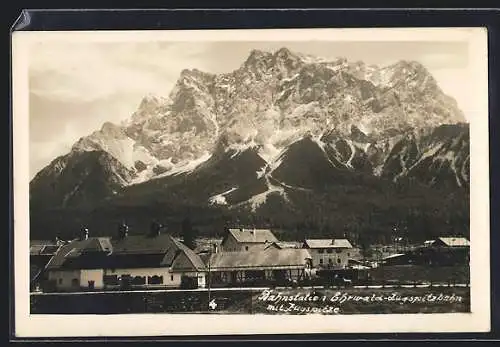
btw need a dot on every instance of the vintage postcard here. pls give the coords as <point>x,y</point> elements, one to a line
<point>251,182</point>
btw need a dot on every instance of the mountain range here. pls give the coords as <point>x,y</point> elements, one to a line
<point>287,140</point>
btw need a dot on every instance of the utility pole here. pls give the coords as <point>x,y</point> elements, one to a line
<point>209,279</point>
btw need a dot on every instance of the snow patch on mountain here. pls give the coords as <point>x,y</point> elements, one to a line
<point>304,109</point>
<point>322,146</point>
<point>430,152</point>
<point>353,152</point>
<point>268,152</point>
<point>257,200</point>
<point>451,158</point>
<point>238,148</point>
<point>189,166</point>
<point>171,169</point>
<point>220,199</point>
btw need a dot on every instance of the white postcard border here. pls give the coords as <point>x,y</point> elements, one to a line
<point>478,320</point>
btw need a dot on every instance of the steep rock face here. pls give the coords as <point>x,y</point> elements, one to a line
<point>273,99</point>
<point>280,125</point>
<point>437,156</point>
<point>225,178</point>
<point>78,179</point>
<point>242,179</point>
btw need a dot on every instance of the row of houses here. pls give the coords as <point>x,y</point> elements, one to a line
<point>158,260</point>
<point>332,253</point>
<point>442,251</point>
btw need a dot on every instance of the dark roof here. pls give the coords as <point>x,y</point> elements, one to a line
<point>253,235</point>
<point>133,251</point>
<point>42,242</point>
<point>270,258</point>
<point>191,259</point>
<point>72,250</point>
<point>36,249</point>
<point>43,249</point>
<point>142,244</point>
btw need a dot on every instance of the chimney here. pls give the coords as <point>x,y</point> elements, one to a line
<point>123,231</point>
<point>155,229</point>
<point>84,234</point>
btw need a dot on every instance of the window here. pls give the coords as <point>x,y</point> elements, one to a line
<point>329,250</point>
<point>111,280</point>
<point>74,282</point>
<point>125,280</point>
<point>246,248</point>
<point>348,254</point>
<point>255,275</point>
<point>321,261</point>
<point>330,261</point>
<point>139,280</point>
<point>339,261</point>
<point>338,250</point>
<point>172,277</point>
<point>155,280</point>
<point>60,281</point>
<point>321,251</point>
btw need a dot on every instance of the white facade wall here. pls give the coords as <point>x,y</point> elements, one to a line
<point>337,257</point>
<point>79,279</point>
<point>95,276</point>
<point>201,276</point>
<point>170,279</point>
<point>65,280</point>
<point>232,245</point>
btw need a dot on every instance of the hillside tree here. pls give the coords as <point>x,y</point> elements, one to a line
<point>188,233</point>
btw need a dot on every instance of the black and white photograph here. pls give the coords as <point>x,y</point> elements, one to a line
<point>251,181</point>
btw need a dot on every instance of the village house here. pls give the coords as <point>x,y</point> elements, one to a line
<point>151,260</point>
<point>443,251</point>
<point>448,242</point>
<point>446,251</point>
<point>240,240</point>
<point>41,252</point>
<point>257,266</point>
<point>330,253</point>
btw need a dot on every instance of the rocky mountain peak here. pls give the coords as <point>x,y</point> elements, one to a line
<point>111,129</point>
<point>150,101</point>
<point>255,55</point>
<point>287,57</point>
<point>272,100</point>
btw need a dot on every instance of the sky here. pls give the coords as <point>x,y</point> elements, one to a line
<point>74,87</point>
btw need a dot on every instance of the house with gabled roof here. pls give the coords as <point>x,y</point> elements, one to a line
<point>450,250</point>
<point>330,253</point>
<point>151,260</point>
<point>258,266</point>
<point>41,252</point>
<point>449,242</point>
<point>240,240</point>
